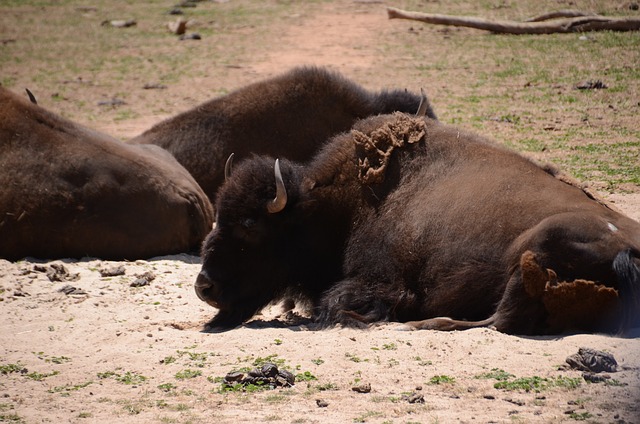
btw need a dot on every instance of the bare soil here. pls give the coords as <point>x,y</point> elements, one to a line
<point>94,348</point>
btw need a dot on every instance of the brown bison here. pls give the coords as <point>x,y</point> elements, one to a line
<point>68,191</point>
<point>406,219</point>
<point>289,116</point>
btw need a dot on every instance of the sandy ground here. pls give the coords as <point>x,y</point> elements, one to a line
<point>109,351</point>
<point>94,348</point>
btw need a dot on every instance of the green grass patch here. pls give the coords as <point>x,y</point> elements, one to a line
<point>128,378</point>
<point>37,376</point>
<point>69,387</point>
<point>441,379</point>
<point>496,374</point>
<point>188,374</point>
<point>11,368</point>
<point>537,384</point>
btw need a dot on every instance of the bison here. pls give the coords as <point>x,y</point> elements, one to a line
<point>290,116</point>
<point>68,191</point>
<point>407,219</point>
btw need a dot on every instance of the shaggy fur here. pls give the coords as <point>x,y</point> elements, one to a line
<point>68,191</point>
<point>289,116</point>
<point>448,226</point>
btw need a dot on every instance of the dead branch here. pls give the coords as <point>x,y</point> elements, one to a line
<point>559,14</point>
<point>565,25</point>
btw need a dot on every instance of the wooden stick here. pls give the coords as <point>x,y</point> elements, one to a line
<point>560,14</point>
<point>566,25</point>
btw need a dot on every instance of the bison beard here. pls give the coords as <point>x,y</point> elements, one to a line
<point>405,219</point>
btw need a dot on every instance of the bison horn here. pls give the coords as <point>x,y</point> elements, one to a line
<point>31,96</point>
<point>280,201</point>
<point>228,166</point>
<point>422,107</point>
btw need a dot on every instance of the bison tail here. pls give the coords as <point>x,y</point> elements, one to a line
<point>626,265</point>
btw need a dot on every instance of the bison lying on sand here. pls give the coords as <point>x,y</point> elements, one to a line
<point>290,116</point>
<point>68,191</point>
<point>406,219</point>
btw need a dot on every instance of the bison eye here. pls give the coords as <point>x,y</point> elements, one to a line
<point>248,223</point>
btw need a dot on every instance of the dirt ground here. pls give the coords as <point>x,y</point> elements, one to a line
<point>129,347</point>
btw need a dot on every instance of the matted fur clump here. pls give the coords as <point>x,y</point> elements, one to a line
<point>570,304</point>
<point>374,150</point>
<point>578,303</point>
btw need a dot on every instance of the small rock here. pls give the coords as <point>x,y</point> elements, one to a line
<point>112,102</point>
<point>113,271</point>
<point>154,86</point>
<point>190,36</point>
<point>321,403</point>
<point>186,3</point>
<point>413,398</point>
<point>69,290</point>
<point>178,27</point>
<point>595,378</point>
<point>175,11</point>
<point>148,275</point>
<point>120,23</point>
<point>139,282</point>
<point>490,397</point>
<point>591,85</point>
<point>57,272</point>
<point>363,388</point>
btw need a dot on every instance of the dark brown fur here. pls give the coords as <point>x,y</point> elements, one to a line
<point>67,191</point>
<point>289,116</point>
<point>457,227</point>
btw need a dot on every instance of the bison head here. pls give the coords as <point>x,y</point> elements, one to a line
<point>245,257</point>
<point>272,239</point>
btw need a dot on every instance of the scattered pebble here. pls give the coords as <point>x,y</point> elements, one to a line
<point>113,271</point>
<point>591,85</point>
<point>154,86</point>
<point>57,272</point>
<point>70,290</point>
<point>120,23</point>
<point>112,102</point>
<point>190,36</point>
<point>178,27</point>
<point>363,388</point>
<point>139,282</point>
<point>413,398</point>
<point>595,378</point>
<point>321,403</point>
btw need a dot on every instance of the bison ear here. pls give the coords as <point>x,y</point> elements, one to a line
<point>228,166</point>
<point>280,201</point>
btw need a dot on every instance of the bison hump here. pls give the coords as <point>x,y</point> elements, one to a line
<point>374,149</point>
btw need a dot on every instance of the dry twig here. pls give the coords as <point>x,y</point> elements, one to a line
<point>545,24</point>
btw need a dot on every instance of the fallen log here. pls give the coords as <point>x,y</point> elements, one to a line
<point>546,25</point>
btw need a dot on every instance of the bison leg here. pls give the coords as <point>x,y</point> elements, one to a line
<point>348,304</point>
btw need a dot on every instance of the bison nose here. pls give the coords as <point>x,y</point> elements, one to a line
<point>205,288</point>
